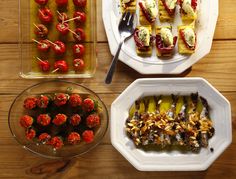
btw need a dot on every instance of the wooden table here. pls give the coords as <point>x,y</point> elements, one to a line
<point>219,68</point>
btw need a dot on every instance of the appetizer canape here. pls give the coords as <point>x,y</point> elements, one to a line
<point>26,121</point>
<point>79,17</point>
<point>44,138</point>
<point>56,142</point>
<point>43,45</point>
<point>61,66</point>
<point>143,40</point>
<point>88,105</point>
<point>30,103</point>
<point>78,50</point>
<point>93,120</point>
<point>187,39</point>
<point>41,30</point>
<point>188,9</point>
<point>75,100</point>
<point>166,9</point>
<point>60,99</point>
<point>45,15</point>
<point>168,121</point>
<point>44,65</point>
<point>165,41</point>
<point>58,47</point>
<point>79,35</point>
<point>73,138</point>
<point>43,101</point>
<point>43,119</point>
<point>78,64</point>
<point>80,3</point>
<point>75,120</point>
<point>148,12</point>
<point>63,28</point>
<point>30,134</point>
<point>128,5</point>
<point>88,136</point>
<point>59,119</point>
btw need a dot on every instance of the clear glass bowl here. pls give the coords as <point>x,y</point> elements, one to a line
<point>28,49</point>
<point>17,110</point>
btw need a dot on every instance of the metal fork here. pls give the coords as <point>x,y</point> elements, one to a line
<point>126,31</point>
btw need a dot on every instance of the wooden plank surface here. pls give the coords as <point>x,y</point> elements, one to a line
<point>9,21</point>
<point>219,68</point>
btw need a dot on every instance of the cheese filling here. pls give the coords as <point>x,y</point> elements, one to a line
<point>166,36</point>
<point>186,6</point>
<point>171,3</point>
<point>189,36</point>
<point>151,7</point>
<point>144,36</point>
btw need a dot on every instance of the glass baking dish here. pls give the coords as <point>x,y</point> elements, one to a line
<point>28,49</point>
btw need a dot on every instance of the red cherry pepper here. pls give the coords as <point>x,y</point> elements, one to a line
<point>75,120</point>
<point>30,134</point>
<point>78,64</point>
<point>41,2</point>
<point>80,3</point>
<point>61,65</point>
<point>63,28</point>
<point>43,46</point>
<point>44,65</point>
<point>75,100</point>
<point>61,3</point>
<point>88,105</point>
<point>45,15</point>
<point>56,142</point>
<point>44,138</point>
<point>41,31</point>
<point>59,48</point>
<point>43,101</point>
<point>80,17</point>
<point>93,120</point>
<point>26,121</point>
<point>62,17</point>
<point>78,50</point>
<point>88,136</point>
<point>73,138</point>
<point>80,34</point>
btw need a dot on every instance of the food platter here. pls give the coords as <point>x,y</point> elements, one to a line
<point>31,118</point>
<point>31,17</point>
<point>205,26</point>
<point>171,160</point>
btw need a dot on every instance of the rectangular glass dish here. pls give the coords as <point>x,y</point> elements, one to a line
<point>28,49</point>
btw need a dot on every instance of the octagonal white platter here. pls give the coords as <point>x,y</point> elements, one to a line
<point>220,112</point>
<point>205,26</point>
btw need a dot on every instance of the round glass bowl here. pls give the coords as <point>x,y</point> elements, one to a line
<point>51,87</point>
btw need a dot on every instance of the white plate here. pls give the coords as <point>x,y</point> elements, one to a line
<point>220,112</point>
<point>205,26</point>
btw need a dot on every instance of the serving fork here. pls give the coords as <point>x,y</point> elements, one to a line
<point>126,31</point>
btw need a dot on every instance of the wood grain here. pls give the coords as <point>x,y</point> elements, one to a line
<point>9,21</point>
<point>218,68</point>
<point>104,161</point>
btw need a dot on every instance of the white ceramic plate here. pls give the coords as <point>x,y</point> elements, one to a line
<point>205,26</point>
<point>220,112</point>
